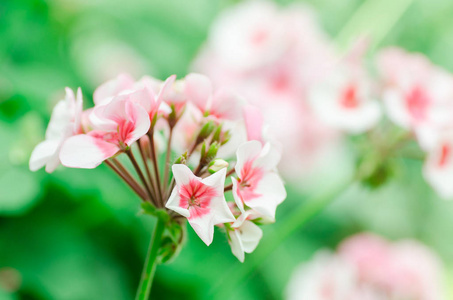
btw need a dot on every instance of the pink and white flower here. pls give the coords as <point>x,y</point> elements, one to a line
<point>258,185</point>
<point>116,126</point>
<point>345,100</point>
<point>244,236</point>
<point>248,35</point>
<point>417,94</point>
<point>367,267</point>
<point>200,200</point>
<point>64,123</point>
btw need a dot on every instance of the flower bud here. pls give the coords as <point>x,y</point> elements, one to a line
<point>216,165</point>
<point>206,131</point>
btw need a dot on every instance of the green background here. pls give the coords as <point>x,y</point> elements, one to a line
<point>77,234</point>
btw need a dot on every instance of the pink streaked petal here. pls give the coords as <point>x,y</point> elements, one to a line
<point>204,228</point>
<point>254,123</point>
<point>183,175</point>
<point>246,152</point>
<point>113,88</point>
<point>236,195</point>
<point>85,151</point>
<point>173,204</point>
<point>140,121</point>
<point>198,90</point>
<point>271,193</point>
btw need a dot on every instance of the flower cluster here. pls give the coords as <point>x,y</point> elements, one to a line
<point>287,67</point>
<point>208,129</point>
<point>369,267</point>
<point>273,56</point>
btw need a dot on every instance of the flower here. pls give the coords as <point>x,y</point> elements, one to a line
<point>416,93</point>
<point>201,201</point>
<point>258,185</point>
<point>367,267</point>
<point>64,123</point>
<point>344,99</point>
<point>117,125</point>
<point>244,236</point>
<point>187,117</point>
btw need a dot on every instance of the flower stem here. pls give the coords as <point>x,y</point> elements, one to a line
<point>167,160</point>
<point>295,221</point>
<point>149,268</point>
<point>156,168</point>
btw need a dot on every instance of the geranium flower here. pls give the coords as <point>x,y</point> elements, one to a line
<point>200,200</point>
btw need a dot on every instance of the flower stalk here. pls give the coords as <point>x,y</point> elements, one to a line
<point>151,261</point>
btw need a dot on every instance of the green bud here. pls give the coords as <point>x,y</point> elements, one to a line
<point>182,160</point>
<point>206,131</point>
<point>217,165</point>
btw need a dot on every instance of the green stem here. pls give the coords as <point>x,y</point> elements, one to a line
<point>295,221</point>
<point>149,268</point>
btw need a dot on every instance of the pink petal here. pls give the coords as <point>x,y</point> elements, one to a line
<point>253,123</point>
<point>85,151</point>
<point>113,88</point>
<point>198,90</point>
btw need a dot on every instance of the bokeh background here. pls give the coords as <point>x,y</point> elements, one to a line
<point>78,234</point>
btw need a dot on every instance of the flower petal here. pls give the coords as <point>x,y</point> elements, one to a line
<point>272,192</point>
<point>43,154</point>
<point>182,174</point>
<point>85,151</point>
<point>198,89</point>
<point>173,204</point>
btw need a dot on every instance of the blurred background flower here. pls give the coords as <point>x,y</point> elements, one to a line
<point>76,234</point>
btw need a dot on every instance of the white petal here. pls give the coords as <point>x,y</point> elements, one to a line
<point>84,151</point>
<point>182,174</point>
<point>251,235</point>
<point>236,245</point>
<point>269,158</point>
<point>204,228</point>
<point>44,153</point>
